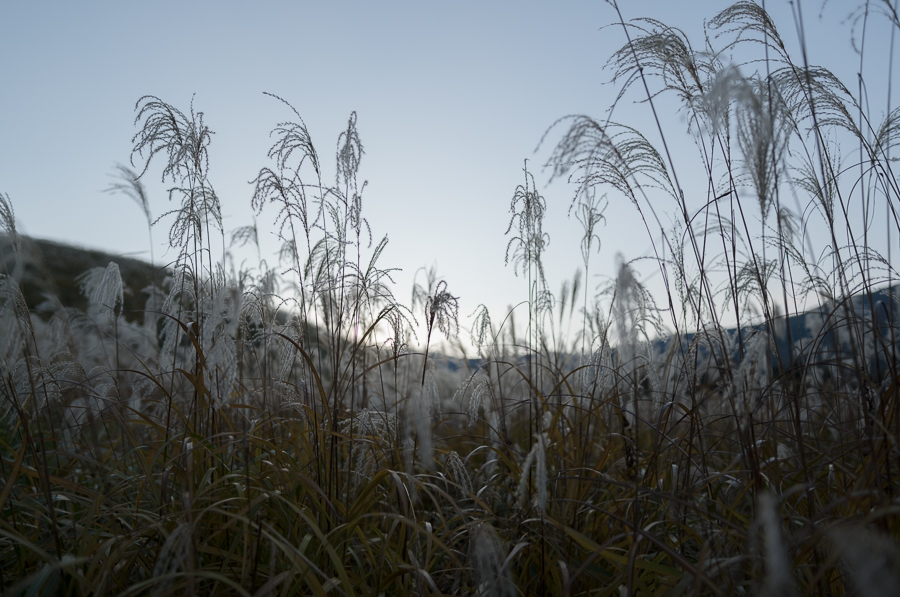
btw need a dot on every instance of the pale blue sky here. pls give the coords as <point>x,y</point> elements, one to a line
<point>451,98</point>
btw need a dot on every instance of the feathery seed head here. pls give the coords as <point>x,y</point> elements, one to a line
<point>456,470</point>
<point>127,182</point>
<point>481,389</point>
<point>482,330</point>
<point>482,396</point>
<point>249,234</point>
<point>8,220</point>
<point>184,139</point>
<point>778,562</point>
<point>11,300</point>
<point>633,312</point>
<point>486,556</point>
<point>398,334</point>
<point>527,207</point>
<point>442,308</point>
<point>349,152</point>
<point>103,288</point>
<point>763,132</point>
<point>537,460</point>
<point>590,214</point>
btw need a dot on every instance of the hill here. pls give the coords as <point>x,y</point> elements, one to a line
<point>46,269</point>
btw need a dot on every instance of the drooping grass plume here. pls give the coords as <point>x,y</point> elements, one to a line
<point>127,182</point>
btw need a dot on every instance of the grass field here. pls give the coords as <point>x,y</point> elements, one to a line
<point>280,430</point>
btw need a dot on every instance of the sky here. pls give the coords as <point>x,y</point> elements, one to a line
<point>451,99</point>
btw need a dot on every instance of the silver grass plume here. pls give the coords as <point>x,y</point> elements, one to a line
<point>349,153</point>
<point>456,471</point>
<point>627,310</point>
<point>536,461</point>
<point>103,288</point>
<point>431,396</point>
<point>490,467</point>
<point>417,426</point>
<point>762,121</point>
<point>102,379</point>
<point>54,336</point>
<point>488,566</point>
<point>464,387</point>
<point>221,367</point>
<point>371,422</point>
<point>219,327</point>
<point>482,330</point>
<point>544,302</point>
<point>597,372</point>
<point>289,254</point>
<point>181,296</point>
<point>664,53</point>
<point>778,582</point>
<point>527,208</point>
<point>14,315</point>
<point>715,104</point>
<point>650,366</point>
<point>763,132</point>
<point>127,182</point>
<point>441,308</point>
<point>32,377</point>
<point>399,346</point>
<point>184,141</point>
<point>8,220</point>
<point>244,235</point>
<point>609,154</point>
<point>289,360</point>
<point>421,293</point>
<point>747,21</point>
<point>481,389</point>
<point>283,184</point>
<point>590,215</point>
<point>407,451</point>
<point>634,315</point>
<point>368,427</point>
<point>482,396</point>
<point>719,343</point>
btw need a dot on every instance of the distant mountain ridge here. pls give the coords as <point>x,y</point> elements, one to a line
<point>50,269</point>
<point>817,335</point>
<point>799,340</point>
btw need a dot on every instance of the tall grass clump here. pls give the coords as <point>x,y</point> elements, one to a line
<point>272,429</point>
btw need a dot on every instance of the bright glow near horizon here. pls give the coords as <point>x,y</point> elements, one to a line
<point>451,99</point>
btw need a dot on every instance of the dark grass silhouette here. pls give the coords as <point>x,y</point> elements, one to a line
<point>270,431</point>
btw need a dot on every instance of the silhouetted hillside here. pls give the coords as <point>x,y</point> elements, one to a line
<point>50,269</point>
